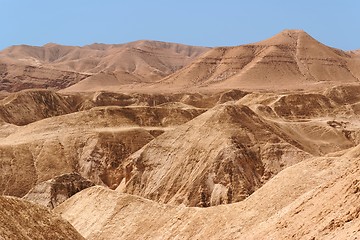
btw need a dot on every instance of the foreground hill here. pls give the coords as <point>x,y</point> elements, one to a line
<point>56,66</point>
<point>20,219</point>
<point>290,60</point>
<point>314,199</point>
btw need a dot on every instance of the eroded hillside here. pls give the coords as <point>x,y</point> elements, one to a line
<point>259,141</point>
<point>56,67</point>
<point>20,219</point>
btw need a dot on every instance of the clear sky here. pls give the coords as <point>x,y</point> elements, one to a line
<point>197,22</point>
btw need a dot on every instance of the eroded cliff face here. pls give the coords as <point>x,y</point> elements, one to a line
<point>33,105</point>
<point>17,77</point>
<point>230,151</point>
<point>53,192</point>
<point>226,153</point>
<point>92,143</point>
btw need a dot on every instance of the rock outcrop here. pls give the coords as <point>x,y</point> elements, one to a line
<point>55,191</point>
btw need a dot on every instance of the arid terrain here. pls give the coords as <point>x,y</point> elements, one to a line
<point>155,140</point>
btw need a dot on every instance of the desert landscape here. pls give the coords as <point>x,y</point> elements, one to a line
<point>157,140</point>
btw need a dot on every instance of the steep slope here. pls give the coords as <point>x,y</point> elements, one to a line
<point>56,190</point>
<point>290,60</point>
<point>314,199</point>
<point>230,151</point>
<point>57,67</point>
<point>20,219</point>
<point>226,154</point>
<point>92,143</point>
<point>16,77</point>
<point>29,106</point>
<point>96,141</point>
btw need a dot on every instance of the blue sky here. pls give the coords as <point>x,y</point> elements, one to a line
<point>205,23</point>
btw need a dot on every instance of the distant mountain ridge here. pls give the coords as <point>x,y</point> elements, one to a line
<point>56,66</point>
<point>291,59</point>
